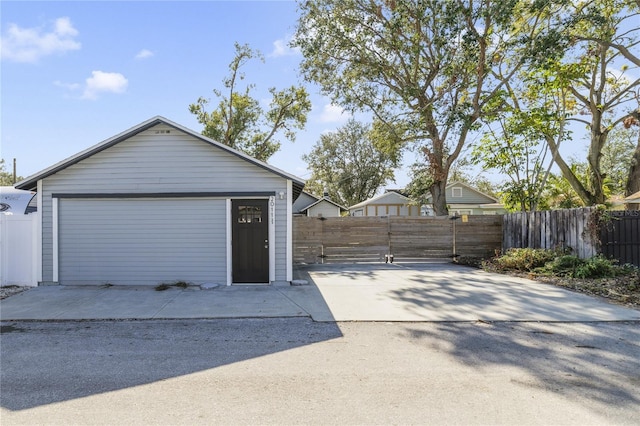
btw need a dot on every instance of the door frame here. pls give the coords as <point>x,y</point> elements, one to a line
<point>271,212</point>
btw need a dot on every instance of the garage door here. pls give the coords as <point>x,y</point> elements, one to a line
<point>141,241</point>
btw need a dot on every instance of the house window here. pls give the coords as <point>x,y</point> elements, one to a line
<point>249,214</point>
<point>461,212</point>
<point>456,192</point>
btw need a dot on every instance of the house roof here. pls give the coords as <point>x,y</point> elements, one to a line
<point>457,183</point>
<point>376,199</point>
<point>30,183</point>
<point>324,200</point>
<point>633,198</point>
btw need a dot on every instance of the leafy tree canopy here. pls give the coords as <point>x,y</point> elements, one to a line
<point>349,165</point>
<point>241,123</point>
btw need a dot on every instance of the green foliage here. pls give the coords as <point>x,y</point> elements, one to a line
<point>524,259</point>
<point>428,71</point>
<point>558,263</point>
<point>241,123</point>
<point>6,178</point>
<point>349,165</point>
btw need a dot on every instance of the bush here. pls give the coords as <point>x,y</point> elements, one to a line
<point>524,259</point>
<point>596,267</point>
<point>563,266</point>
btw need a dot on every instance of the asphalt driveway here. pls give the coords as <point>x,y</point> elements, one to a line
<point>336,292</point>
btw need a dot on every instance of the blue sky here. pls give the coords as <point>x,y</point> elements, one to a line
<point>75,73</point>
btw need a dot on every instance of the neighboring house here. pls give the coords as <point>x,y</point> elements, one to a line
<point>391,203</point>
<point>160,203</point>
<point>463,199</point>
<point>324,207</point>
<point>310,205</point>
<point>633,201</point>
<point>304,200</point>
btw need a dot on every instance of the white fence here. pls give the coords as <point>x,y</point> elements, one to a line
<point>18,249</point>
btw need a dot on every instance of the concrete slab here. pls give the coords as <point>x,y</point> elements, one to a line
<point>357,292</point>
<point>231,302</point>
<point>449,292</point>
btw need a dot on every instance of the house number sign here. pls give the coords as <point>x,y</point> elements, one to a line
<point>272,209</point>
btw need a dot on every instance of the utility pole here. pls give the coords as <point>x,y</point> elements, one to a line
<point>14,171</point>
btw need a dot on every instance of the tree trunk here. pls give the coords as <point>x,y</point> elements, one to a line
<point>567,173</point>
<point>438,195</point>
<point>633,180</point>
<point>596,177</point>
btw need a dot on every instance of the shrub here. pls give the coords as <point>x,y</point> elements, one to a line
<point>565,265</point>
<point>596,267</point>
<point>524,259</point>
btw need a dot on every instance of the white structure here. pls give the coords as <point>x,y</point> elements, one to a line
<point>312,206</point>
<point>18,237</point>
<point>161,203</point>
<point>390,203</point>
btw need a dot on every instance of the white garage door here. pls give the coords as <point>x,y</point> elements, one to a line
<point>141,241</point>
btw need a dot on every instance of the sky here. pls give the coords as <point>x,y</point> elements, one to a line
<point>78,72</point>
<point>75,73</point>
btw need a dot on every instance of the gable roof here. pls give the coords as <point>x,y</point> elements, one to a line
<point>633,198</point>
<point>328,201</point>
<point>470,188</point>
<point>375,200</point>
<point>30,183</point>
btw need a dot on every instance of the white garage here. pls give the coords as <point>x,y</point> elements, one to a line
<point>160,203</point>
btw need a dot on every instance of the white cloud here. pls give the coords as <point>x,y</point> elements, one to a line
<point>333,114</point>
<point>69,86</point>
<point>104,82</point>
<point>30,44</point>
<point>144,54</point>
<point>281,48</point>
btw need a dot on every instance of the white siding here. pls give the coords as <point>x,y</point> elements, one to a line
<point>324,209</point>
<point>153,162</point>
<point>142,241</point>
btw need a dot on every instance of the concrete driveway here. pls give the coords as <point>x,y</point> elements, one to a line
<point>448,292</point>
<point>354,292</point>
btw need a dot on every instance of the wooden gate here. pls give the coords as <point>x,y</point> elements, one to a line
<point>372,239</point>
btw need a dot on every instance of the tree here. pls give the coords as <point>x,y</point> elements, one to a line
<point>418,188</point>
<point>348,165</point>
<point>426,70</point>
<point>240,122</point>
<point>618,156</point>
<point>6,178</point>
<point>633,176</point>
<point>584,45</point>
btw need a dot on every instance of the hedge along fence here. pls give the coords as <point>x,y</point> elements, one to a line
<point>576,230</point>
<point>371,239</point>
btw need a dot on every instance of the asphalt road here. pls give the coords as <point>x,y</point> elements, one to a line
<point>296,371</point>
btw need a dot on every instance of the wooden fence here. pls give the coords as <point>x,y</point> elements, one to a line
<point>561,229</point>
<point>352,239</point>
<point>586,232</point>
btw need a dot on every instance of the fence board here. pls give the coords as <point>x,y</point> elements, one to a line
<point>356,239</point>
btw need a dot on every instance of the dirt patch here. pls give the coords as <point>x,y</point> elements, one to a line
<point>623,290</point>
<point>11,290</point>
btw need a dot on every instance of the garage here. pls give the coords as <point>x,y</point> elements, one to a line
<point>117,241</point>
<point>160,203</point>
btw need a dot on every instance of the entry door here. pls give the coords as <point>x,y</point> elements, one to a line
<point>250,241</point>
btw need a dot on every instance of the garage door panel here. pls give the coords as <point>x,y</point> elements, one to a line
<point>141,241</point>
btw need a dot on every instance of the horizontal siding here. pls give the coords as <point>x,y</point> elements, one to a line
<point>324,209</point>
<point>141,241</point>
<point>468,197</point>
<point>151,163</point>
